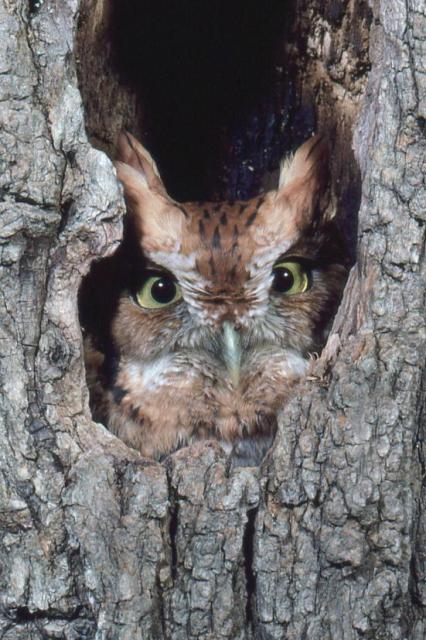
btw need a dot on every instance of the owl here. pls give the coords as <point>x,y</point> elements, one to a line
<point>208,314</point>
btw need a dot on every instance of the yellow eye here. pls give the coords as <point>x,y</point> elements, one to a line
<point>158,292</point>
<point>290,278</point>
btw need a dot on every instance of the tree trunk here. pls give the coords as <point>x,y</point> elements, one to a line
<point>326,540</point>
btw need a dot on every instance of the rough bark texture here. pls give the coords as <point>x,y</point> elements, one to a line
<point>109,105</point>
<point>326,540</point>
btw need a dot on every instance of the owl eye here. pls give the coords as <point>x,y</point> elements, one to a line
<point>290,278</point>
<point>157,292</point>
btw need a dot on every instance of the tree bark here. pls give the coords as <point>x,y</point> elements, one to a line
<point>326,540</point>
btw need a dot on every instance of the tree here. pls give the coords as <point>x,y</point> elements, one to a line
<point>326,540</point>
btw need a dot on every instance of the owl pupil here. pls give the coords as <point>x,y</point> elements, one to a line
<point>163,290</point>
<point>283,279</point>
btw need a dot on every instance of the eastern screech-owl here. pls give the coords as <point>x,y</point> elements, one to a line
<point>216,309</point>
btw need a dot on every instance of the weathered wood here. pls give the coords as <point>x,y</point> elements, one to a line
<point>326,540</point>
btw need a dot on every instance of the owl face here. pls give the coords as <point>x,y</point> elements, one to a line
<point>222,307</point>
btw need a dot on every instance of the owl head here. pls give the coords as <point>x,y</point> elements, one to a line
<point>222,305</point>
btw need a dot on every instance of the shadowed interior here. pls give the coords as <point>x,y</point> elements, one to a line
<point>213,82</point>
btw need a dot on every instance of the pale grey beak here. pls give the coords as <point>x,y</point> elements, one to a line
<point>231,349</point>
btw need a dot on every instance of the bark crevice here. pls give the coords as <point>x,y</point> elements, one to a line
<point>248,551</point>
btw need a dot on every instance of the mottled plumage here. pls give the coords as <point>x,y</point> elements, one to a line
<point>201,335</point>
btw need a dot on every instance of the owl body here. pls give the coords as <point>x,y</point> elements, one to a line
<point>218,308</point>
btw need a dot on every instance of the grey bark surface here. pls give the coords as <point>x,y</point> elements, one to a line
<point>326,540</point>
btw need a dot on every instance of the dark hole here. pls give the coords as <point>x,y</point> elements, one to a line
<point>67,209</point>
<point>34,6</point>
<point>214,84</point>
<point>248,546</point>
<point>422,125</point>
<point>212,81</point>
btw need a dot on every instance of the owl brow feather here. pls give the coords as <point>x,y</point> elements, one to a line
<point>193,288</point>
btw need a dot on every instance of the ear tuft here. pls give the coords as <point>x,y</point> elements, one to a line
<point>304,181</point>
<point>130,152</point>
<point>308,158</point>
<point>157,220</point>
<point>134,182</point>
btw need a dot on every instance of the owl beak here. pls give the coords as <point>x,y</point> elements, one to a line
<point>231,349</point>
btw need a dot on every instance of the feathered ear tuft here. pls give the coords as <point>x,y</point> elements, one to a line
<point>304,181</point>
<point>133,154</point>
<point>157,220</point>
